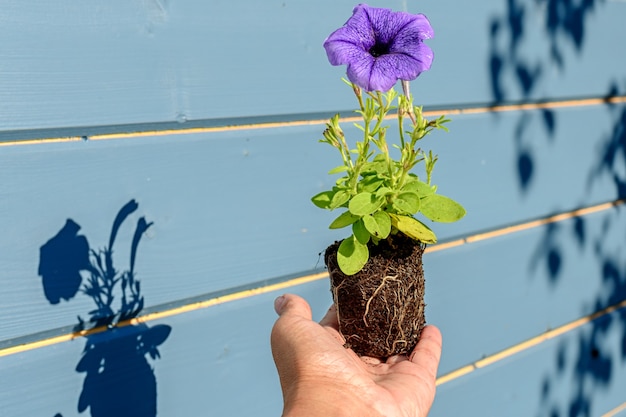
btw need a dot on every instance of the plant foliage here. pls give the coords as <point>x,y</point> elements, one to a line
<point>377,194</point>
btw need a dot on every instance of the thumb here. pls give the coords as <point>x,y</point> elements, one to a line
<point>292,305</point>
<point>289,336</point>
<point>289,331</point>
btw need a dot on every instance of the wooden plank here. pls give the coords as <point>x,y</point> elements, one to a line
<point>210,354</point>
<point>521,50</point>
<point>579,373</point>
<point>206,361</point>
<point>491,295</point>
<point>502,292</point>
<point>67,64</point>
<point>210,234</point>
<point>213,198</point>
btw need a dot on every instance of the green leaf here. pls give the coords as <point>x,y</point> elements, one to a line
<point>370,183</point>
<point>384,223</point>
<point>383,192</point>
<point>407,202</point>
<point>378,224</point>
<point>413,228</point>
<point>352,256</point>
<point>340,198</point>
<point>378,165</point>
<point>345,219</point>
<point>443,209</point>
<point>360,232</point>
<point>372,226</point>
<point>420,187</point>
<point>337,170</point>
<point>323,199</point>
<point>364,203</point>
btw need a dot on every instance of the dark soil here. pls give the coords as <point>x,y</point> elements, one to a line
<point>381,308</point>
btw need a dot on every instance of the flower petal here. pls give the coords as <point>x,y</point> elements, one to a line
<point>357,31</point>
<point>410,37</point>
<point>387,25</point>
<point>420,25</point>
<point>360,70</point>
<point>384,73</point>
<point>388,69</point>
<point>380,46</point>
<point>341,52</point>
<point>410,64</point>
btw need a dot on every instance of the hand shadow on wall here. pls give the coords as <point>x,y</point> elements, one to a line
<point>119,380</point>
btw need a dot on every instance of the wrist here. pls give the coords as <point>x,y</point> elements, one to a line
<point>327,402</point>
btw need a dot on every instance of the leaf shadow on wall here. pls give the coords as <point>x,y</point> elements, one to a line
<point>514,76</point>
<point>612,160</point>
<point>61,261</point>
<point>119,379</point>
<point>589,361</point>
<point>586,361</point>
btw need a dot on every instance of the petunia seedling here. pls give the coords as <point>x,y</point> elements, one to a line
<point>381,195</point>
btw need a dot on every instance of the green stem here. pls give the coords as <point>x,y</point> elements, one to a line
<point>401,121</point>
<point>345,152</point>
<point>359,96</point>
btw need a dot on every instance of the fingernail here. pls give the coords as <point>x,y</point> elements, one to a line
<point>279,303</point>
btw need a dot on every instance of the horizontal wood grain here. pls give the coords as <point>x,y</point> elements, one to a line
<point>494,295</point>
<point>209,354</point>
<point>202,224</point>
<point>37,136</point>
<point>68,65</point>
<point>193,376</point>
<point>578,373</point>
<point>200,120</point>
<point>525,283</point>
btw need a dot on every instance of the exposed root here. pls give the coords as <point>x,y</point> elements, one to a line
<point>367,305</point>
<point>381,308</point>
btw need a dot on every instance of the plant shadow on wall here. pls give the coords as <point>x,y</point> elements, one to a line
<point>612,161</point>
<point>510,60</point>
<point>587,361</point>
<point>119,379</point>
<point>590,362</point>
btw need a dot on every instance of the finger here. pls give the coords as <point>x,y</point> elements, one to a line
<point>370,360</point>
<point>292,311</point>
<point>396,359</point>
<point>292,305</point>
<point>331,323</point>
<point>427,353</point>
<point>330,319</point>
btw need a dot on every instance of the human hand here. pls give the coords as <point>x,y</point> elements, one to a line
<point>319,377</point>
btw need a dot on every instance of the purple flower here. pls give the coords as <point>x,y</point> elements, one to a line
<point>380,46</point>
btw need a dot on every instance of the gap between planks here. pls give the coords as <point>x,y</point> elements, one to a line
<point>264,289</point>
<point>615,411</point>
<point>513,350</point>
<point>587,102</point>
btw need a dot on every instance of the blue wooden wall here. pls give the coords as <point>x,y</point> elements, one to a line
<point>196,122</point>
